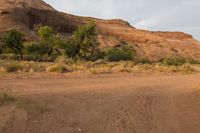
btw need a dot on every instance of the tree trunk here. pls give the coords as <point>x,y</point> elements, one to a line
<point>20,53</point>
<point>21,56</point>
<point>49,53</point>
<point>58,51</point>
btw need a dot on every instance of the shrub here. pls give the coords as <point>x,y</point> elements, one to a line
<point>35,48</point>
<point>192,61</point>
<point>38,52</point>
<point>98,55</point>
<point>174,61</point>
<point>122,52</point>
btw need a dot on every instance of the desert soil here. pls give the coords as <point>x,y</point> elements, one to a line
<point>106,103</point>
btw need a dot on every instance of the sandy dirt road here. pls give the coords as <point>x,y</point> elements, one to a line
<point>107,103</point>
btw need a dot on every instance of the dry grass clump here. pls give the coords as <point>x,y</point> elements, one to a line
<point>22,66</point>
<point>11,67</point>
<point>114,67</point>
<point>64,64</point>
<point>64,60</point>
<point>60,68</point>
<point>186,68</point>
<point>130,67</point>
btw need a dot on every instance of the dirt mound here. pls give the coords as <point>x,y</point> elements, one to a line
<point>25,14</point>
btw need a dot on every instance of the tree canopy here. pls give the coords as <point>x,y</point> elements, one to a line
<point>13,40</point>
<point>85,38</point>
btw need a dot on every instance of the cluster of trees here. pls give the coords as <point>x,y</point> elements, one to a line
<point>82,45</point>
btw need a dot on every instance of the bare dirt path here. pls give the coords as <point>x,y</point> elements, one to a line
<point>112,103</point>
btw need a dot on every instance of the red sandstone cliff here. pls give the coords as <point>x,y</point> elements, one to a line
<point>24,14</point>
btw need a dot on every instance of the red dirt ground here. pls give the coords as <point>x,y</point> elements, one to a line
<point>107,103</point>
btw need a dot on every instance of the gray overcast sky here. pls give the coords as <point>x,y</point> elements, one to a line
<point>166,15</point>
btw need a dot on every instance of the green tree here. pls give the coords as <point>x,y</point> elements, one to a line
<point>53,42</point>
<point>58,43</point>
<point>14,40</point>
<point>85,38</point>
<point>46,38</point>
<point>45,33</point>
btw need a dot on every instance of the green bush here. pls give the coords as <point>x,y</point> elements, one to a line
<point>38,52</point>
<point>96,56</point>
<point>35,48</point>
<point>122,52</point>
<point>173,61</point>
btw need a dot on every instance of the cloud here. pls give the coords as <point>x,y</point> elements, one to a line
<point>179,15</point>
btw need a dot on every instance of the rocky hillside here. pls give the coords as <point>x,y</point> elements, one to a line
<point>25,14</point>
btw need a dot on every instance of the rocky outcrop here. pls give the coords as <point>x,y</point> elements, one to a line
<point>25,14</point>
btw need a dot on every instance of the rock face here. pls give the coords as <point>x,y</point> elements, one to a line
<point>25,14</point>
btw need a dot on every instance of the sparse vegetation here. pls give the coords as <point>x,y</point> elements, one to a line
<point>173,61</point>
<point>64,64</point>
<point>6,97</point>
<point>54,53</point>
<point>192,61</point>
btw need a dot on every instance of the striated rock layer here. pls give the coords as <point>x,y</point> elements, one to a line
<point>25,14</point>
